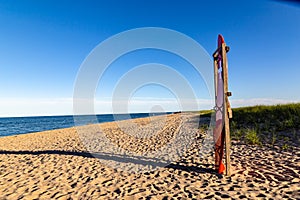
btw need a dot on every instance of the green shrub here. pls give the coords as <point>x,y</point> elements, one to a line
<point>274,138</point>
<point>236,134</point>
<point>252,137</point>
<point>285,146</point>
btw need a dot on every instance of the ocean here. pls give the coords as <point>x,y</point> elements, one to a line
<point>21,125</point>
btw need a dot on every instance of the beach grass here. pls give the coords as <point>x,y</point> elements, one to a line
<point>277,117</point>
<point>262,124</point>
<point>257,125</point>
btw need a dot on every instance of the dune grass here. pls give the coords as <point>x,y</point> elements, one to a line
<point>278,117</point>
<point>267,124</point>
<point>259,125</point>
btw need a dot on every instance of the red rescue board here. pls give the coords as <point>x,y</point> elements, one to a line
<point>219,132</point>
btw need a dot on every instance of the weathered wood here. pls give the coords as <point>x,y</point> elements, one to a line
<point>217,52</point>
<point>226,113</point>
<point>216,78</point>
<point>229,110</point>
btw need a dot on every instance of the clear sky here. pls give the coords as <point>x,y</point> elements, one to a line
<point>43,44</point>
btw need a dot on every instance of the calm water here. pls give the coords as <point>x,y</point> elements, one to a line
<point>21,125</point>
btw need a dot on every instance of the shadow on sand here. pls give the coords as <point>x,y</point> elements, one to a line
<point>140,160</point>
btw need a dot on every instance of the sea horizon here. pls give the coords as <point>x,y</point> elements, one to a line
<point>10,126</point>
<point>63,115</point>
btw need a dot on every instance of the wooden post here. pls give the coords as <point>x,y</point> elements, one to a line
<point>227,110</point>
<point>223,110</point>
<point>216,77</point>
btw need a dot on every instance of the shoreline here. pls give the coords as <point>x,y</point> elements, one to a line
<point>70,124</point>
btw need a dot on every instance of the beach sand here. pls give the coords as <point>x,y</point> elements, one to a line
<point>56,165</point>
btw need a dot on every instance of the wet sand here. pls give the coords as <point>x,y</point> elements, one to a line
<point>57,165</point>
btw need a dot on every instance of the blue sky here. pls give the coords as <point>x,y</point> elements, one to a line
<point>43,44</point>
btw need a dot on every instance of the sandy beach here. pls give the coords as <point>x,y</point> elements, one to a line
<point>58,165</point>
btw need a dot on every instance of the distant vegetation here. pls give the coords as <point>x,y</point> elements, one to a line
<point>264,118</point>
<point>274,125</point>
